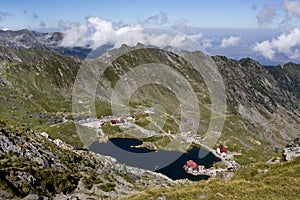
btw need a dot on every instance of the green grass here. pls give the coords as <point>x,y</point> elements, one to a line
<point>142,122</point>
<point>220,165</point>
<point>237,133</point>
<point>38,92</point>
<point>111,130</point>
<point>280,182</point>
<point>102,109</point>
<point>158,141</point>
<point>107,187</point>
<point>66,132</point>
<point>171,125</point>
<point>141,119</point>
<point>163,141</point>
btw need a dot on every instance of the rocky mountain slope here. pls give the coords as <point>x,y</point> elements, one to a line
<point>31,39</point>
<point>262,101</point>
<point>265,97</point>
<point>36,82</point>
<point>35,165</point>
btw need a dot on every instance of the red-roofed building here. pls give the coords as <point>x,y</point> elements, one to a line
<point>192,164</point>
<point>223,149</point>
<point>189,163</point>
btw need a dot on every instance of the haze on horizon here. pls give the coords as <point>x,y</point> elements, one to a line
<point>266,31</point>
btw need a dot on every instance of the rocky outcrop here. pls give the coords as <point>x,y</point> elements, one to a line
<point>266,96</point>
<point>292,150</point>
<point>27,39</point>
<point>295,143</point>
<point>33,164</point>
<point>36,83</point>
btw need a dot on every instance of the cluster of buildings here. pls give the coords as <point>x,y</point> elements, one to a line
<point>122,121</point>
<point>191,167</point>
<point>97,123</point>
<point>222,151</point>
<point>117,121</point>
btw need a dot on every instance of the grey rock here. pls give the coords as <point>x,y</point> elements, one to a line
<point>26,177</point>
<point>35,197</point>
<point>8,146</point>
<point>5,195</point>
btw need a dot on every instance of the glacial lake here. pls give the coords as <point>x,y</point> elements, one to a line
<point>169,163</point>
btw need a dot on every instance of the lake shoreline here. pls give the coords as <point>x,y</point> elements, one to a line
<point>169,163</point>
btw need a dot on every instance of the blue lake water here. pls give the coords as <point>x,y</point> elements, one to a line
<point>169,163</point>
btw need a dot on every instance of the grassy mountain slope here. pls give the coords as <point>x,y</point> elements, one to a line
<point>262,106</point>
<point>262,114</point>
<point>36,85</point>
<point>255,181</point>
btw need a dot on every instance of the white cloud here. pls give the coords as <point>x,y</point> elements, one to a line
<point>269,13</point>
<point>158,19</point>
<point>180,25</point>
<point>291,8</point>
<point>265,48</point>
<point>95,32</point>
<point>206,43</point>
<point>230,41</point>
<point>287,44</point>
<point>74,34</point>
<point>296,55</point>
<point>196,37</point>
<point>266,15</point>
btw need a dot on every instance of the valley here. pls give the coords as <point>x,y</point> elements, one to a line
<point>37,81</point>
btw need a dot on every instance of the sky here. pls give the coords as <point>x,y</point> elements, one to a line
<point>267,30</point>
<point>213,13</point>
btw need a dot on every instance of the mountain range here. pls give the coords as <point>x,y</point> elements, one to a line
<point>37,76</point>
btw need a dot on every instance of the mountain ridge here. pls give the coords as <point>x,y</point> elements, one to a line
<point>32,39</point>
<point>247,75</point>
<point>36,89</point>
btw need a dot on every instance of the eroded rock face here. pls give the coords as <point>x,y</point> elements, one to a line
<point>7,146</point>
<point>25,177</point>
<point>266,96</point>
<point>295,143</point>
<point>5,195</point>
<point>292,150</point>
<point>33,164</point>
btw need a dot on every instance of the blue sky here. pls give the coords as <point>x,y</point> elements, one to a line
<point>213,13</point>
<point>267,30</point>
